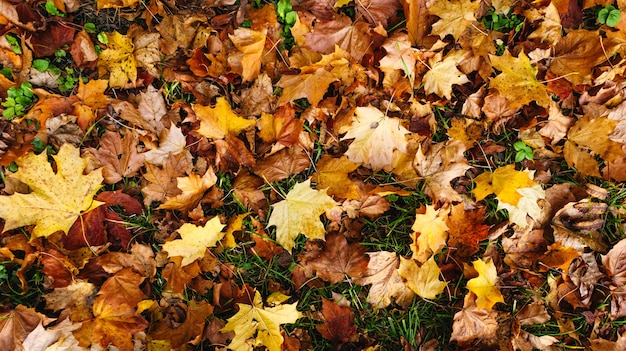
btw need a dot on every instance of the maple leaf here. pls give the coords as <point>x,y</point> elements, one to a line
<point>424,279</point>
<point>299,213</point>
<point>589,137</point>
<point>118,60</point>
<point>172,142</point>
<point>191,328</point>
<point>332,174</point>
<point>376,136</point>
<point>454,16</point>
<point>430,233</point>
<point>216,122</point>
<point>195,240</point>
<point>311,86</point>
<point>465,230</point>
<point>193,188</point>
<point>341,32</point>
<point>16,324</point>
<point>119,156</point>
<point>162,181</point>
<point>487,294</point>
<point>56,199</point>
<point>338,326</point>
<point>250,43</point>
<point>443,74</point>
<point>387,284</point>
<point>263,321</point>
<point>515,190</point>
<point>400,56</point>
<point>283,164</point>
<point>473,322</point>
<point>339,259</point>
<point>442,163</point>
<point>517,81</point>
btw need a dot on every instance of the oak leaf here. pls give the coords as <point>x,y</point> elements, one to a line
<point>300,213</point>
<point>195,240</point>
<point>443,74</point>
<point>263,321</point>
<point>484,286</point>
<point>424,279</point>
<point>56,199</point>
<point>387,284</point>
<point>517,81</point>
<point>339,260</point>
<point>430,233</point>
<point>118,60</point>
<point>376,137</point>
<point>216,122</point>
<point>454,16</point>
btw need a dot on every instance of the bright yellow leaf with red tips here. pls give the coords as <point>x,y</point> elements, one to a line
<point>484,286</point>
<point>216,122</point>
<point>56,199</point>
<point>195,240</point>
<point>300,213</point>
<point>517,82</point>
<point>423,280</point>
<point>118,60</point>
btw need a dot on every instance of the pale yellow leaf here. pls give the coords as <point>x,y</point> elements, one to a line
<point>423,280</point>
<point>387,284</point>
<point>433,232</point>
<point>300,213</point>
<point>172,142</point>
<point>216,122</point>
<point>443,74</point>
<point>195,240</point>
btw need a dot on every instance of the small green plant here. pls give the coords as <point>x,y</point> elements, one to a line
<point>18,101</point>
<point>501,22</point>
<point>53,10</point>
<point>524,152</point>
<point>16,46</point>
<point>609,15</point>
<point>287,17</point>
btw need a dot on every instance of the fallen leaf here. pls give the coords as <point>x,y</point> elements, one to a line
<point>338,323</point>
<point>299,213</point>
<point>339,260</point>
<point>60,198</point>
<point>454,16</point>
<point>195,240</point>
<point>118,60</point>
<point>430,233</point>
<point>484,286</point>
<point>192,190</point>
<point>473,322</point>
<point>16,324</point>
<point>250,43</point>
<point>443,74</point>
<point>387,284</point>
<point>216,122</point>
<point>424,279</point>
<point>283,164</point>
<point>332,174</point>
<point>311,86</point>
<point>376,137</point>
<point>171,142</point>
<point>263,321</point>
<point>465,231</point>
<point>118,156</point>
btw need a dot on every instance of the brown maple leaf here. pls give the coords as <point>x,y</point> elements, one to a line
<point>339,260</point>
<point>119,156</point>
<point>338,323</point>
<point>282,164</point>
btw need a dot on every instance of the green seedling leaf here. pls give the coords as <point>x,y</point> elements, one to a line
<point>41,65</point>
<point>53,10</point>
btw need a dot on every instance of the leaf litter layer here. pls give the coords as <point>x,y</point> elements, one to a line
<point>375,175</point>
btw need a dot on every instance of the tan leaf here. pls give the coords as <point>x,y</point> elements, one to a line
<point>387,285</point>
<point>250,43</point>
<point>119,156</point>
<point>443,74</point>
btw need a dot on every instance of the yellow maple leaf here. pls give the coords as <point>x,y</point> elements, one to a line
<point>311,86</point>
<point>376,136</point>
<point>250,43</point>
<point>503,182</point>
<point>193,188</point>
<point>195,240</point>
<point>332,174</point>
<point>484,286</point>
<point>424,280</point>
<point>56,199</point>
<point>105,4</point>
<point>118,60</point>
<point>455,16</point>
<point>216,122</point>
<point>517,82</point>
<point>263,321</point>
<point>300,213</point>
<point>433,233</point>
<point>443,74</point>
